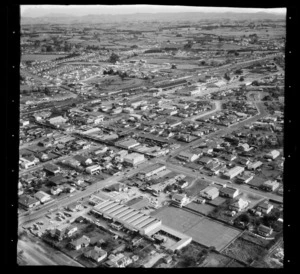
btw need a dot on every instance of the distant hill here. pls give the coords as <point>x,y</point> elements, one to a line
<point>160,17</point>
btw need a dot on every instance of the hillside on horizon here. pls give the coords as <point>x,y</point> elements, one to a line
<point>163,17</point>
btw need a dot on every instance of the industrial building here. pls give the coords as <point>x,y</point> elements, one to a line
<point>231,173</point>
<point>151,170</point>
<point>93,169</point>
<point>187,156</point>
<point>272,155</point>
<point>130,218</point>
<point>128,144</point>
<point>134,159</point>
<point>270,185</point>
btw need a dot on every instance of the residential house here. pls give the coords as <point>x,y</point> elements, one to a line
<point>179,200</point>
<point>82,242</point>
<point>264,231</point>
<point>71,230</point>
<point>56,180</point>
<point>52,169</point>
<point>270,185</point>
<point>42,196</point>
<point>55,190</point>
<point>254,166</point>
<point>210,192</point>
<point>229,192</point>
<point>27,202</point>
<point>265,207</point>
<point>74,207</point>
<point>239,205</point>
<point>187,156</point>
<point>97,254</point>
<point>83,160</point>
<point>272,154</point>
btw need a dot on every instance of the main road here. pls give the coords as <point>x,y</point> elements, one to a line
<point>36,214</point>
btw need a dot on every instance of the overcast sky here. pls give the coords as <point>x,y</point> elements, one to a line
<point>41,10</point>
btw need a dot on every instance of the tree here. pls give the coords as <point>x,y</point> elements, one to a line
<point>241,79</point>
<point>114,58</point>
<point>244,218</point>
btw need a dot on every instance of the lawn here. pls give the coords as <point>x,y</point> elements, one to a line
<point>204,209</point>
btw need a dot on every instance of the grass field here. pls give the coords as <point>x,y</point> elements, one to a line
<point>203,230</point>
<point>211,233</point>
<point>178,218</point>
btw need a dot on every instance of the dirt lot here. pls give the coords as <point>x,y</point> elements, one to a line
<point>244,251</point>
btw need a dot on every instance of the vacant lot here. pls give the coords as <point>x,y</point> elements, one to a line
<point>244,251</point>
<point>216,260</point>
<point>196,187</point>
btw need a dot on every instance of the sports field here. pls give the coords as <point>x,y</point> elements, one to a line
<point>203,230</point>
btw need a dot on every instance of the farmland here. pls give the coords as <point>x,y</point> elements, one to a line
<point>40,57</point>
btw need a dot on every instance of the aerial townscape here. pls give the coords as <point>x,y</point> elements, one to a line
<point>151,139</point>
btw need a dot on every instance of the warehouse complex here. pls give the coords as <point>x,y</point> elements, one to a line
<point>130,218</point>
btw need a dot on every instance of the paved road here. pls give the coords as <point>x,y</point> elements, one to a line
<point>242,187</point>
<point>217,108</point>
<point>34,215</point>
<point>39,253</point>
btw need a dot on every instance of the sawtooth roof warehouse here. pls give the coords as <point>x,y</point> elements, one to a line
<point>137,221</point>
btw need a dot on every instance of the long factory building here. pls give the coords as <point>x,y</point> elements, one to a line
<point>130,218</point>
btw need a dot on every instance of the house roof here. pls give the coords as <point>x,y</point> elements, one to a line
<point>83,240</point>
<point>58,179</point>
<point>228,190</point>
<point>265,205</point>
<point>240,203</point>
<point>27,200</point>
<point>265,229</point>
